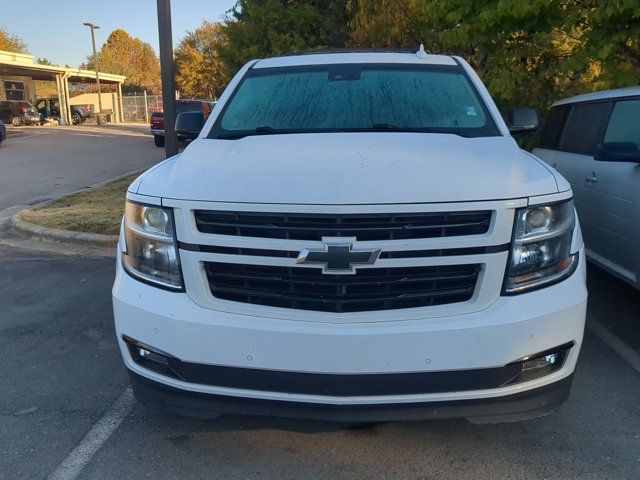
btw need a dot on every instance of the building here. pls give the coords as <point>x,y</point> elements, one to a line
<point>19,74</point>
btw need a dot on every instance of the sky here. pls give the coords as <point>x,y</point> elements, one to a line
<point>53,28</point>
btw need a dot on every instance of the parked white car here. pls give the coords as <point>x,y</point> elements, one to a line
<point>352,236</point>
<point>594,142</point>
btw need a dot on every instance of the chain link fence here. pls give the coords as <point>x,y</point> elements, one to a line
<point>137,108</point>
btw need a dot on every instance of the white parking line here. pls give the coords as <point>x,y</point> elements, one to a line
<point>625,351</point>
<point>75,462</point>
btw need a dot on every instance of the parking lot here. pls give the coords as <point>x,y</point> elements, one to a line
<point>66,411</point>
<point>38,163</point>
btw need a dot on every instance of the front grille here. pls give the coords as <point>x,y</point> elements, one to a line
<point>366,290</point>
<point>366,226</point>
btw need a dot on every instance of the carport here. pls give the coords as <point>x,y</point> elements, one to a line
<point>16,65</point>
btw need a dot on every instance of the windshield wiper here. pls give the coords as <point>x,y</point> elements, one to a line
<point>264,130</point>
<point>393,128</point>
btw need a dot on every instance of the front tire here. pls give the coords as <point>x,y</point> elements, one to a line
<point>76,119</point>
<point>17,121</point>
<point>158,140</point>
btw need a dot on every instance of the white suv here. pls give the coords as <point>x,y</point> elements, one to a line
<point>353,236</point>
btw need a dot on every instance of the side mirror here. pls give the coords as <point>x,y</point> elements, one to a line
<point>523,120</point>
<point>617,152</point>
<point>189,125</point>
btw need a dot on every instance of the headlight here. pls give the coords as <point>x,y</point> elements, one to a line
<point>150,245</point>
<point>541,247</point>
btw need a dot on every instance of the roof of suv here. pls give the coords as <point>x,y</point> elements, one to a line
<point>324,58</point>
<point>589,97</point>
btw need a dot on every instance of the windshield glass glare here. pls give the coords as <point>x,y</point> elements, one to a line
<point>351,97</point>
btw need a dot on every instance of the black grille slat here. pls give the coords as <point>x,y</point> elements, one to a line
<point>352,301</point>
<point>375,226</point>
<point>368,289</point>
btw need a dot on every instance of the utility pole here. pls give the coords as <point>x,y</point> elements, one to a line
<point>167,71</point>
<point>95,61</point>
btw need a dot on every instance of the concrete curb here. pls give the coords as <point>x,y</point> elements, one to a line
<point>26,229</point>
<point>43,234</point>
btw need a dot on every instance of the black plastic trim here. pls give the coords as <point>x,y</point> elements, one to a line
<point>367,289</point>
<point>519,406</point>
<point>346,385</point>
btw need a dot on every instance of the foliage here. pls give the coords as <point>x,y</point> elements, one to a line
<point>124,55</point>
<point>44,61</point>
<point>12,43</point>
<point>199,71</point>
<point>609,36</point>
<point>259,28</point>
<point>528,52</point>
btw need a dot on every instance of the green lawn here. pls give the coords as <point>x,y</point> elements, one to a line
<point>96,210</point>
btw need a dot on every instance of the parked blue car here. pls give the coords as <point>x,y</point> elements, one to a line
<point>3,132</point>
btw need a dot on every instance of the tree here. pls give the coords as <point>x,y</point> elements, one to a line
<point>510,44</point>
<point>527,52</point>
<point>44,61</point>
<point>385,23</point>
<point>200,73</point>
<point>258,28</point>
<point>125,55</point>
<point>608,35</point>
<point>12,43</point>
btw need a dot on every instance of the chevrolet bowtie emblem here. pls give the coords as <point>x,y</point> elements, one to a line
<point>337,255</point>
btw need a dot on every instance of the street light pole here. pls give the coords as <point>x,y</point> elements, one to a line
<point>167,70</point>
<point>95,61</point>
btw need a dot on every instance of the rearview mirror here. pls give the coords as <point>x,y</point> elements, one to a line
<point>617,152</point>
<point>523,120</point>
<point>189,125</point>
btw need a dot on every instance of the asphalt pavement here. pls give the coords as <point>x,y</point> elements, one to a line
<point>50,161</point>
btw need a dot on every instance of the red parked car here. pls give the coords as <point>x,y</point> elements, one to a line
<point>157,118</point>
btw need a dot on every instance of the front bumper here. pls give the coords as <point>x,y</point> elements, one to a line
<point>509,329</point>
<point>515,407</point>
<point>31,120</point>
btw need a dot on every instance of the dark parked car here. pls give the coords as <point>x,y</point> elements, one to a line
<point>3,132</point>
<point>50,108</point>
<point>157,118</point>
<point>189,125</point>
<point>18,112</point>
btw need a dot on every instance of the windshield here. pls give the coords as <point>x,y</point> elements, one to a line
<point>343,98</point>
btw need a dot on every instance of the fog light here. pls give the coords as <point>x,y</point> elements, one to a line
<point>535,364</point>
<point>149,358</point>
<point>542,364</point>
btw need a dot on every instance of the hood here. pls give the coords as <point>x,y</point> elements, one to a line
<point>350,168</point>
